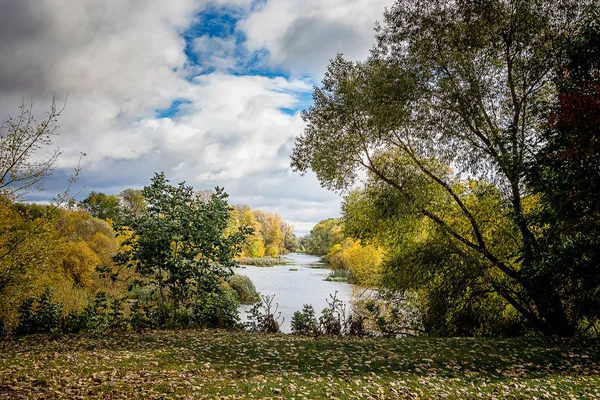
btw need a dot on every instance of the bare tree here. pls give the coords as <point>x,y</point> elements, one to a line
<point>20,138</point>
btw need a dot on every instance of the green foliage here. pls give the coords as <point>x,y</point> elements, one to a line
<point>179,245</point>
<point>102,206</point>
<point>563,174</point>
<point>262,261</point>
<point>305,322</point>
<point>323,236</point>
<point>133,202</point>
<point>217,310</point>
<point>244,288</point>
<point>454,290</point>
<point>339,275</point>
<point>333,318</point>
<point>461,84</point>
<point>39,314</point>
<point>103,314</point>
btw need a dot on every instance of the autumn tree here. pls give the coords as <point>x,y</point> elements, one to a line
<point>565,174</point>
<point>461,84</point>
<point>255,244</point>
<point>28,242</point>
<point>89,243</point>
<point>270,229</point>
<point>20,138</point>
<point>323,236</point>
<point>362,260</point>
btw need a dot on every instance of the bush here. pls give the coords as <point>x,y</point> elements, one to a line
<point>332,319</point>
<point>244,288</point>
<point>217,310</point>
<point>40,314</point>
<point>262,261</point>
<point>305,322</point>
<point>102,314</point>
<point>339,275</point>
<point>264,317</point>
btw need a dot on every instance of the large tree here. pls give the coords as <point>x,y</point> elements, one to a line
<point>456,84</point>
<point>179,244</point>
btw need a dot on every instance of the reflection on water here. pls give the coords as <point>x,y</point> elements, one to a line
<point>293,289</point>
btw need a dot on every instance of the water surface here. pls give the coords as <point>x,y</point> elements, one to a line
<point>293,289</point>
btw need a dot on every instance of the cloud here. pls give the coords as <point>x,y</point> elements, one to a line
<point>303,35</point>
<point>191,88</point>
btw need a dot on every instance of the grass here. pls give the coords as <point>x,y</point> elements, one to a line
<point>262,261</point>
<point>219,364</point>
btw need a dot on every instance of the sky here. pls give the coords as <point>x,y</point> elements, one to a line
<point>210,92</point>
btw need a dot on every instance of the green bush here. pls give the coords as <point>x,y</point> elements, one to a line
<point>262,261</point>
<point>305,322</point>
<point>40,314</point>
<point>218,310</point>
<point>244,288</point>
<point>102,314</point>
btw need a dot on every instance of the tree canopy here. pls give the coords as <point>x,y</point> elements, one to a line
<point>178,244</point>
<point>455,90</point>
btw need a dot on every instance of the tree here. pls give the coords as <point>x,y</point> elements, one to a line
<point>452,83</point>
<point>363,261</point>
<point>133,201</point>
<point>290,240</point>
<point>89,244</point>
<point>102,206</point>
<point>452,289</point>
<point>323,236</point>
<point>270,229</point>
<point>565,173</point>
<point>28,242</point>
<point>255,245</point>
<point>20,138</point>
<point>178,244</point>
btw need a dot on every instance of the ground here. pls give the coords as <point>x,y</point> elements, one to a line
<point>229,365</point>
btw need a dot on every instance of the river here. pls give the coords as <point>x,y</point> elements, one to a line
<point>295,284</point>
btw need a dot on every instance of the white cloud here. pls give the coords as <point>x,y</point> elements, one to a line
<point>121,60</point>
<point>303,35</point>
<point>215,52</point>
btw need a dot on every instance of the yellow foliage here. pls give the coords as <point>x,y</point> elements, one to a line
<point>80,262</point>
<point>254,247</point>
<point>363,260</point>
<point>271,251</point>
<point>105,247</point>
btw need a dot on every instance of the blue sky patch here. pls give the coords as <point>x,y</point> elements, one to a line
<point>172,110</point>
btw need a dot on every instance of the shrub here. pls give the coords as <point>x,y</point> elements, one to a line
<point>264,317</point>
<point>332,319</point>
<point>39,314</point>
<point>102,314</point>
<point>244,288</point>
<point>305,322</point>
<point>217,310</point>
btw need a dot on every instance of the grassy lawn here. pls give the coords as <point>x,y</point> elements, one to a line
<point>230,365</point>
